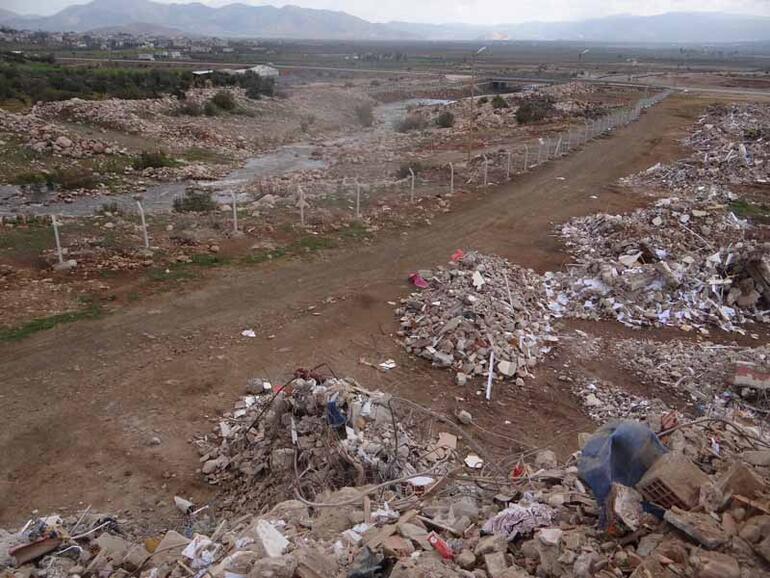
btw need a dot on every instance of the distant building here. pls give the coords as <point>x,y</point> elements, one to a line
<point>265,71</point>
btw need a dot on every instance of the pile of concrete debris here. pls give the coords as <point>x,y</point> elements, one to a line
<point>699,372</point>
<point>313,434</point>
<point>733,143</point>
<point>43,137</point>
<point>730,147</point>
<point>478,310</point>
<point>686,263</point>
<point>665,499</point>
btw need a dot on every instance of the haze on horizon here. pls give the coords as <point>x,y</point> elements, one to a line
<point>464,11</point>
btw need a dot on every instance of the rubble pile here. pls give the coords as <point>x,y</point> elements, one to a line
<point>41,136</point>
<point>685,263</point>
<point>730,146</point>
<point>477,305</point>
<point>156,118</point>
<point>734,143</point>
<point>312,434</point>
<point>603,401</point>
<point>667,498</point>
<point>697,371</point>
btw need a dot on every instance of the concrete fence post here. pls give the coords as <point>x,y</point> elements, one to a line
<point>301,204</point>
<point>59,253</point>
<point>358,199</point>
<point>508,167</point>
<point>411,191</point>
<point>451,178</point>
<point>235,212</point>
<point>486,170</point>
<point>144,225</point>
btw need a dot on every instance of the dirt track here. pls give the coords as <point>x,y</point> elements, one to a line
<point>81,404</point>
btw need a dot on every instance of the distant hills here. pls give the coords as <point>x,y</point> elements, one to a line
<point>240,20</point>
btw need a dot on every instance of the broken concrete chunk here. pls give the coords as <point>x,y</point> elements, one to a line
<point>701,528</point>
<point>270,540</point>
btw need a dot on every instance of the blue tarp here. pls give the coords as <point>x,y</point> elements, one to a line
<point>618,452</point>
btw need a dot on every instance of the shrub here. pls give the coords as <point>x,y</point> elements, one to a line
<point>74,178</point>
<point>445,120</point>
<point>195,202</point>
<point>412,121</point>
<point>499,102</point>
<point>483,100</point>
<point>153,160</point>
<point>32,179</point>
<point>365,114</point>
<point>224,100</point>
<point>112,208</point>
<point>190,109</point>
<point>211,109</point>
<point>534,108</point>
<point>403,170</point>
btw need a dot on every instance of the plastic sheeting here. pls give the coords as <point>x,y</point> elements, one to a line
<point>618,452</point>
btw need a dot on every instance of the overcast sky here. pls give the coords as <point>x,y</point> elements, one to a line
<point>470,11</point>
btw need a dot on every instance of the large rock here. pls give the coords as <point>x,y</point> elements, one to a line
<point>312,563</point>
<point>281,567</point>
<point>715,565</point>
<point>489,544</point>
<point>423,567</point>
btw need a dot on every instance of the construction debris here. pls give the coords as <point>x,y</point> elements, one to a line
<point>455,524</point>
<point>476,305</point>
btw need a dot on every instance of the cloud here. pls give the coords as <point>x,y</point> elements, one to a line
<point>469,11</point>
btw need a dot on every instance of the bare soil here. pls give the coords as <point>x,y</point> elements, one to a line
<point>81,404</point>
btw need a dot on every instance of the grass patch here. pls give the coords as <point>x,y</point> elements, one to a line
<point>174,272</point>
<point>355,231</point>
<point>154,160</point>
<point>198,154</point>
<point>30,240</point>
<point>743,208</point>
<point>203,260</point>
<point>195,202</point>
<point>93,311</point>
<point>263,255</point>
<point>311,243</point>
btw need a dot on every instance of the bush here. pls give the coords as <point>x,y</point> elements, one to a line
<point>365,114</point>
<point>535,108</point>
<point>445,120</point>
<point>153,160</point>
<point>499,102</point>
<point>483,100</point>
<point>224,100</point>
<point>211,109</point>
<point>412,121</point>
<point>403,170</point>
<point>74,178</point>
<point>190,109</point>
<point>32,179</point>
<point>195,202</point>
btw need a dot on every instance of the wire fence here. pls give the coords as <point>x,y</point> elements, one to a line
<point>483,170</point>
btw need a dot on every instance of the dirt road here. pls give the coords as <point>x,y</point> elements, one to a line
<point>103,410</point>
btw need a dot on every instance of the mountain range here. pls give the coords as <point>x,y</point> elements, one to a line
<point>241,20</point>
